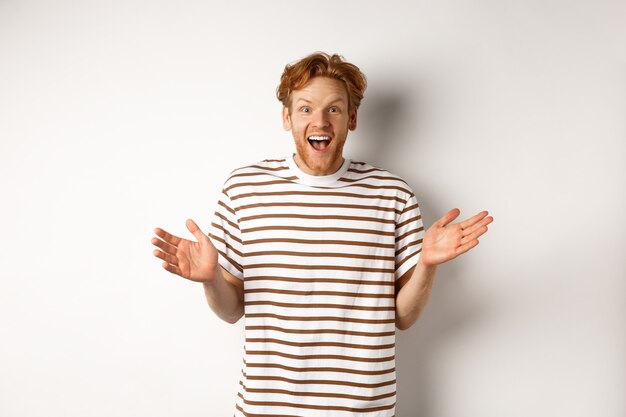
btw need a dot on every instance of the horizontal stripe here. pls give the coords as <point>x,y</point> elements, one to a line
<point>319,318</point>
<point>379,187</point>
<point>412,219</point>
<point>320,280</point>
<point>409,208</point>
<point>320,369</point>
<point>226,232</point>
<point>261,174</point>
<point>319,344</point>
<point>408,245</point>
<point>222,241</point>
<point>308,357</point>
<point>230,210</point>
<point>320,381</point>
<point>281,168</point>
<point>377,177</point>
<point>320,242</point>
<point>337,293</point>
<point>232,262</point>
<point>321,254</point>
<point>317,205</point>
<point>318,193</point>
<point>319,229</point>
<point>321,331</point>
<point>317,267</point>
<point>407,258</point>
<point>320,394</point>
<point>365,171</point>
<point>319,407</point>
<point>231,224</point>
<point>315,217</point>
<point>302,305</point>
<point>257,184</point>
<point>410,232</point>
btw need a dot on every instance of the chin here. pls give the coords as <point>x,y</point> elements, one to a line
<point>315,161</point>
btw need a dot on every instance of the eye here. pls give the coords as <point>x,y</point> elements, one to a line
<point>333,110</point>
<point>305,109</point>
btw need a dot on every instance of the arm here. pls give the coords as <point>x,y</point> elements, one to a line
<point>225,295</point>
<point>442,242</point>
<point>412,292</point>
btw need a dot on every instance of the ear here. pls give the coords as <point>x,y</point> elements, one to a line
<point>352,121</point>
<point>286,119</point>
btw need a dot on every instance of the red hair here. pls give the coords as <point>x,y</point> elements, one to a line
<point>319,64</point>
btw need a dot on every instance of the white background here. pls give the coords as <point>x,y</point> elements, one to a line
<point>120,116</point>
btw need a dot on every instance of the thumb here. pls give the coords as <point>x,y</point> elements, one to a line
<point>448,217</point>
<point>195,230</point>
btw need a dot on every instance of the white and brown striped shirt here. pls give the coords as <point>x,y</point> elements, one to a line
<point>318,256</point>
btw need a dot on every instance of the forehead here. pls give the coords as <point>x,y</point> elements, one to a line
<point>321,89</point>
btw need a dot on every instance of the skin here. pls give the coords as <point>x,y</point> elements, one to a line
<point>320,108</point>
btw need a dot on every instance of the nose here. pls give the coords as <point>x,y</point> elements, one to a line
<point>320,119</point>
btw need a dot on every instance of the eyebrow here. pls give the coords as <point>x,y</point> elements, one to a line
<point>332,102</point>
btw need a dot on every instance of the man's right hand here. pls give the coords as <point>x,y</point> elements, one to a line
<point>196,261</point>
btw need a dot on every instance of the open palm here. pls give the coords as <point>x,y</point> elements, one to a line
<point>196,261</point>
<point>444,241</point>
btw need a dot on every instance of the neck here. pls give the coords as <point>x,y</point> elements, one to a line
<point>320,171</point>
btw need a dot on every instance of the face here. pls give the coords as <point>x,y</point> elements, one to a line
<point>320,111</point>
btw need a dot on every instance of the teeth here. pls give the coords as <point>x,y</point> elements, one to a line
<point>319,137</point>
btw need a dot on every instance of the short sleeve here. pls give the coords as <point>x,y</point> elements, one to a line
<point>226,237</point>
<point>409,234</point>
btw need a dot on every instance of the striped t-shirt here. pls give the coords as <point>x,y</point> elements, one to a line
<point>318,256</point>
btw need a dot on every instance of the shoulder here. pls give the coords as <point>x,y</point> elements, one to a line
<point>256,171</point>
<point>363,171</point>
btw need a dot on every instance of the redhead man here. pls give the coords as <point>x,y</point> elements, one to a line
<point>324,257</point>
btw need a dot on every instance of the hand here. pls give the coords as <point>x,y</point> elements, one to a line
<point>196,261</point>
<point>443,241</point>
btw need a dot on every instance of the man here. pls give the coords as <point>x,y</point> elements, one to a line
<point>323,255</point>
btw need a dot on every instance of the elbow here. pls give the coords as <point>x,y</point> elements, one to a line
<point>405,323</point>
<point>402,326</point>
<point>233,319</point>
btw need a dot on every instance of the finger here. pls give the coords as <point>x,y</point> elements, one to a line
<point>168,237</point>
<point>484,222</point>
<point>465,247</point>
<point>472,220</point>
<point>448,217</point>
<point>166,247</point>
<point>171,268</point>
<point>193,228</point>
<point>477,233</point>
<point>166,257</point>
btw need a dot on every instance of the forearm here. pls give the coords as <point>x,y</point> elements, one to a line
<point>224,298</point>
<point>413,296</point>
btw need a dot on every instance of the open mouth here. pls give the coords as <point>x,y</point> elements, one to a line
<point>319,143</point>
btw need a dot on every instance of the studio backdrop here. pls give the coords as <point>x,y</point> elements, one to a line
<point>121,116</point>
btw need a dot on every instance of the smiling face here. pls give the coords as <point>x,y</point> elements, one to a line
<point>319,119</point>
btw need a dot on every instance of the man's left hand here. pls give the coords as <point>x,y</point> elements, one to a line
<point>444,241</point>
